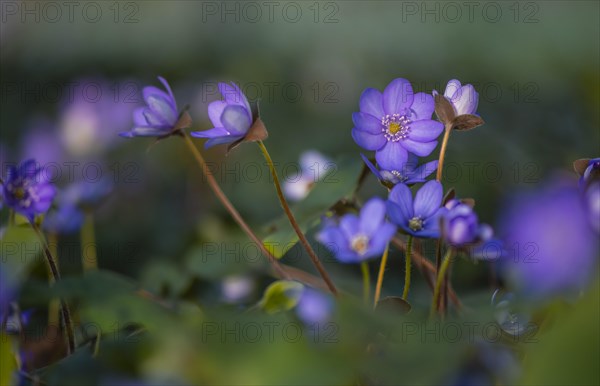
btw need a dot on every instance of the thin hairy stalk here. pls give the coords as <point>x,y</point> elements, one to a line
<point>214,185</point>
<point>440,168</point>
<point>54,307</point>
<point>288,212</point>
<point>384,259</point>
<point>364,267</point>
<point>440,279</point>
<point>407,268</point>
<point>89,253</point>
<point>50,260</point>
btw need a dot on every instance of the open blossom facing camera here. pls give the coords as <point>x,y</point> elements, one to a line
<point>395,123</point>
<point>358,238</point>
<point>27,191</point>
<point>159,118</point>
<point>464,99</point>
<point>231,117</point>
<point>420,217</point>
<point>411,173</point>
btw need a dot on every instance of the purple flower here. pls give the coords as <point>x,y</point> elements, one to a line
<point>66,219</point>
<point>231,118</point>
<point>314,307</point>
<point>357,238</point>
<point>395,123</point>
<point>409,174</point>
<point>554,251</point>
<point>592,204</point>
<point>314,166</point>
<point>27,191</point>
<point>464,99</point>
<point>592,172</point>
<point>159,117</point>
<point>420,218</point>
<point>86,194</point>
<point>462,227</point>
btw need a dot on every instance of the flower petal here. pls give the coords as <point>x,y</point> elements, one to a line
<point>215,132</point>
<point>215,110</point>
<point>368,141</point>
<point>220,140</point>
<point>236,120</point>
<point>451,88</point>
<point>333,239</point>
<point>160,103</point>
<point>425,130</point>
<point>371,167</point>
<point>422,149</point>
<point>138,117</point>
<point>381,239</point>
<point>146,131</point>
<point>422,106</point>
<point>371,102</point>
<point>350,225</point>
<point>234,96</point>
<point>401,197</point>
<point>367,123</point>
<point>372,216</point>
<point>392,156</point>
<point>422,172</point>
<point>428,199</point>
<point>168,88</point>
<point>397,96</point>
<point>465,101</point>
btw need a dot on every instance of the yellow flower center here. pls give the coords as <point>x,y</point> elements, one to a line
<point>394,127</point>
<point>359,244</point>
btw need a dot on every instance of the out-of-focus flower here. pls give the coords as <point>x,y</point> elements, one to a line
<point>160,117</point>
<point>314,307</point>
<point>588,171</point>
<point>358,238</point>
<point>231,118</point>
<point>464,99</point>
<point>86,194</point>
<point>457,107</point>
<point>95,112</point>
<point>313,168</point>
<point>395,123</point>
<point>592,204</point>
<point>41,141</point>
<point>554,248</point>
<point>66,219</point>
<point>409,174</point>
<point>420,218</point>
<point>27,191</point>
<point>462,227</point>
<point>235,289</point>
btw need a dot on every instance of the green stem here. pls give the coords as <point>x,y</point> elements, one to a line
<point>440,279</point>
<point>440,168</point>
<point>54,307</point>
<point>89,254</point>
<point>380,276</point>
<point>231,209</point>
<point>11,217</point>
<point>366,281</point>
<point>50,260</point>
<point>407,270</point>
<point>288,212</point>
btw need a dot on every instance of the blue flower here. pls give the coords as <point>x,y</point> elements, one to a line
<point>27,190</point>
<point>395,123</point>
<point>358,238</point>
<point>554,251</point>
<point>314,307</point>
<point>159,118</point>
<point>409,174</point>
<point>462,227</point>
<point>86,194</point>
<point>464,99</point>
<point>231,118</point>
<point>66,219</point>
<point>420,218</point>
<point>592,171</point>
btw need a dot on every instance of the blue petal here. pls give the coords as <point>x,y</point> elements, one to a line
<point>221,140</point>
<point>422,149</point>
<point>161,105</point>
<point>350,225</point>
<point>215,132</point>
<point>452,88</point>
<point>138,117</point>
<point>371,166</point>
<point>371,102</point>
<point>465,101</point>
<point>425,130</point>
<point>422,106</point>
<point>367,123</point>
<point>422,172</point>
<point>428,199</point>
<point>401,196</point>
<point>381,239</point>
<point>397,96</point>
<point>148,131</point>
<point>236,120</point>
<point>368,141</point>
<point>234,96</point>
<point>215,110</point>
<point>372,216</point>
<point>392,156</point>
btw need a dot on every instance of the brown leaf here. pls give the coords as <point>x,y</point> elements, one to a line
<point>444,109</point>
<point>184,121</point>
<point>467,122</point>
<point>469,202</point>
<point>257,132</point>
<point>449,196</point>
<point>580,165</point>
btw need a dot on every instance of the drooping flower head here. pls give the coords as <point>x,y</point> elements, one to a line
<point>464,99</point>
<point>395,123</point>
<point>160,117</point>
<point>555,250</point>
<point>421,217</point>
<point>358,238</point>
<point>314,166</point>
<point>26,189</point>
<point>232,117</point>
<point>410,174</point>
<point>314,307</point>
<point>462,227</point>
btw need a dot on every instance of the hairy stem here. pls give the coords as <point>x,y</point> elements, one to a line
<point>440,279</point>
<point>364,267</point>
<point>230,208</point>
<point>89,253</point>
<point>408,268</point>
<point>288,212</point>
<point>380,275</point>
<point>440,168</point>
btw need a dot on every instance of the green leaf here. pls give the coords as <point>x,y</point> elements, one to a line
<point>339,183</point>
<point>281,295</point>
<point>20,248</point>
<point>8,362</point>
